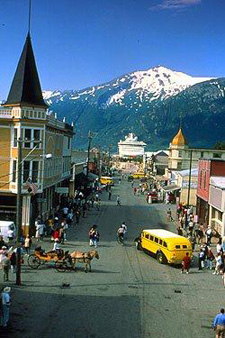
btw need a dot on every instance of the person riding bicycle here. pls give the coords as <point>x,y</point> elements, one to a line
<point>120,234</point>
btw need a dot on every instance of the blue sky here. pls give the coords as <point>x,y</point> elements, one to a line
<point>83,43</point>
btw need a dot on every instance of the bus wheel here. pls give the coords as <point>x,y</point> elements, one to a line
<point>161,258</point>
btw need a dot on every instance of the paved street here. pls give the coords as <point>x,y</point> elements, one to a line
<point>128,294</point>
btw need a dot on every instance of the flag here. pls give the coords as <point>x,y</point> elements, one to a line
<point>32,186</point>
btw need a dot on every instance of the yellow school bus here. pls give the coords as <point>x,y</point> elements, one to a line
<point>165,245</point>
<point>106,180</point>
<point>139,175</point>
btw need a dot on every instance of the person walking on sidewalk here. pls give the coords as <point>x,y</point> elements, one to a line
<point>218,264</point>
<point>219,324</point>
<point>6,302</point>
<point>27,244</point>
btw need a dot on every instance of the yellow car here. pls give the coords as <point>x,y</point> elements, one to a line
<point>165,245</point>
<point>138,175</point>
<point>106,180</point>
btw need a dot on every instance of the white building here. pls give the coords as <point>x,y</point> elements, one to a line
<point>131,147</point>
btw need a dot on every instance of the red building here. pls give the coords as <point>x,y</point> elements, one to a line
<point>206,169</point>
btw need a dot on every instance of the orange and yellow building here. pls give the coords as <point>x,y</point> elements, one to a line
<point>24,116</point>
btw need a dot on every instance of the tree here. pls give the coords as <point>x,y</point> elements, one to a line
<point>220,145</point>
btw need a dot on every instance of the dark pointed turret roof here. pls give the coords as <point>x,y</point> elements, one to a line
<point>26,88</point>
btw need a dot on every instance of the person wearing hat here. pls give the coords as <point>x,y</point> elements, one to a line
<point>6,302</point>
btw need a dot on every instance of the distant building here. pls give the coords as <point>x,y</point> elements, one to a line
<point>156,162</point>
<point>180,153</point>
<point>131,147</point>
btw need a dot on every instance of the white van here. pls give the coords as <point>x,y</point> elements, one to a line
<point>5,226</point>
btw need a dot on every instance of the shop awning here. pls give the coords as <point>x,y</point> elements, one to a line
<point>168,188</point>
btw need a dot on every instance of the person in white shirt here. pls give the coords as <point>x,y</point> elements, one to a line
<point>124,227</point>
<point>10,234</point>
<point>6,302</point>
<point>219,248</point>
<point>57,247</point>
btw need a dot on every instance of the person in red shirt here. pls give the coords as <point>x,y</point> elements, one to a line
<point>186,263</point>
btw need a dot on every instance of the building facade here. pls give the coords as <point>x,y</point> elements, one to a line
<point>41,142</point>
<point>131,147</point>
<point>206,169</point>
<point>217,204</point>
<point>180,154</point>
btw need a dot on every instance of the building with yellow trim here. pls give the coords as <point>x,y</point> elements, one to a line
<point>24,116</point>
<point>180,153</point>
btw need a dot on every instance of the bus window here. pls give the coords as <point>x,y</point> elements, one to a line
<point>177,246</point>
<point>184,246</point>
<point>160,242</point>
<point>147,236</point>
<point>164,244</point>
<point>156,240</point>
<point>151,238</point>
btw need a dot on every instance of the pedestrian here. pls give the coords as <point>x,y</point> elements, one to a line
<point>10,234</point>
<point>179,230</point>
<point>124,226</point>
<point>186,263</point>
<point>6,302</point>
<point>169,215</point>
<point>219,324</point>
<point>120,235</point>
<point>218,266</point>
<point>209,235</point>
<point>2,242</point>
<point>27,244</point>
<point>110,195</point>
<point>65,211</point>
<point>84,208</point>
<point>118,201</point>
<point>37,225</point>
<point>77,215</point>
<point>56,247</point>
<point>201,259</point>
<point>98,204</point>
<point>210,259</point>
<point>13,262</point>
<point>91,234</point>
<point>6,267</point>
<point>95,237</point>
<point>219,248</point>
<point>135,190</point>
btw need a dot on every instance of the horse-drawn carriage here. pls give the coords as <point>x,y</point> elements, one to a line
<point>61,260</point>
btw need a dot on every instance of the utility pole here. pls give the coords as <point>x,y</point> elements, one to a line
<point>108,166</point>
<point>99,163</point>
<point>90,136</point>
<point>19,210</point>
<point>189,180</point>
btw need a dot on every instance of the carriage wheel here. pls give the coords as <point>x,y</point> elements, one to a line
<point>61,266</point>
<point>33,261</point>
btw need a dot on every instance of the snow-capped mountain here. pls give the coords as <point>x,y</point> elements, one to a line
<point>148,103</point>
<point>152,84</point>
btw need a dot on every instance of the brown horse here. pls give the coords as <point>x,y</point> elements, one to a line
<point>84,257</point>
